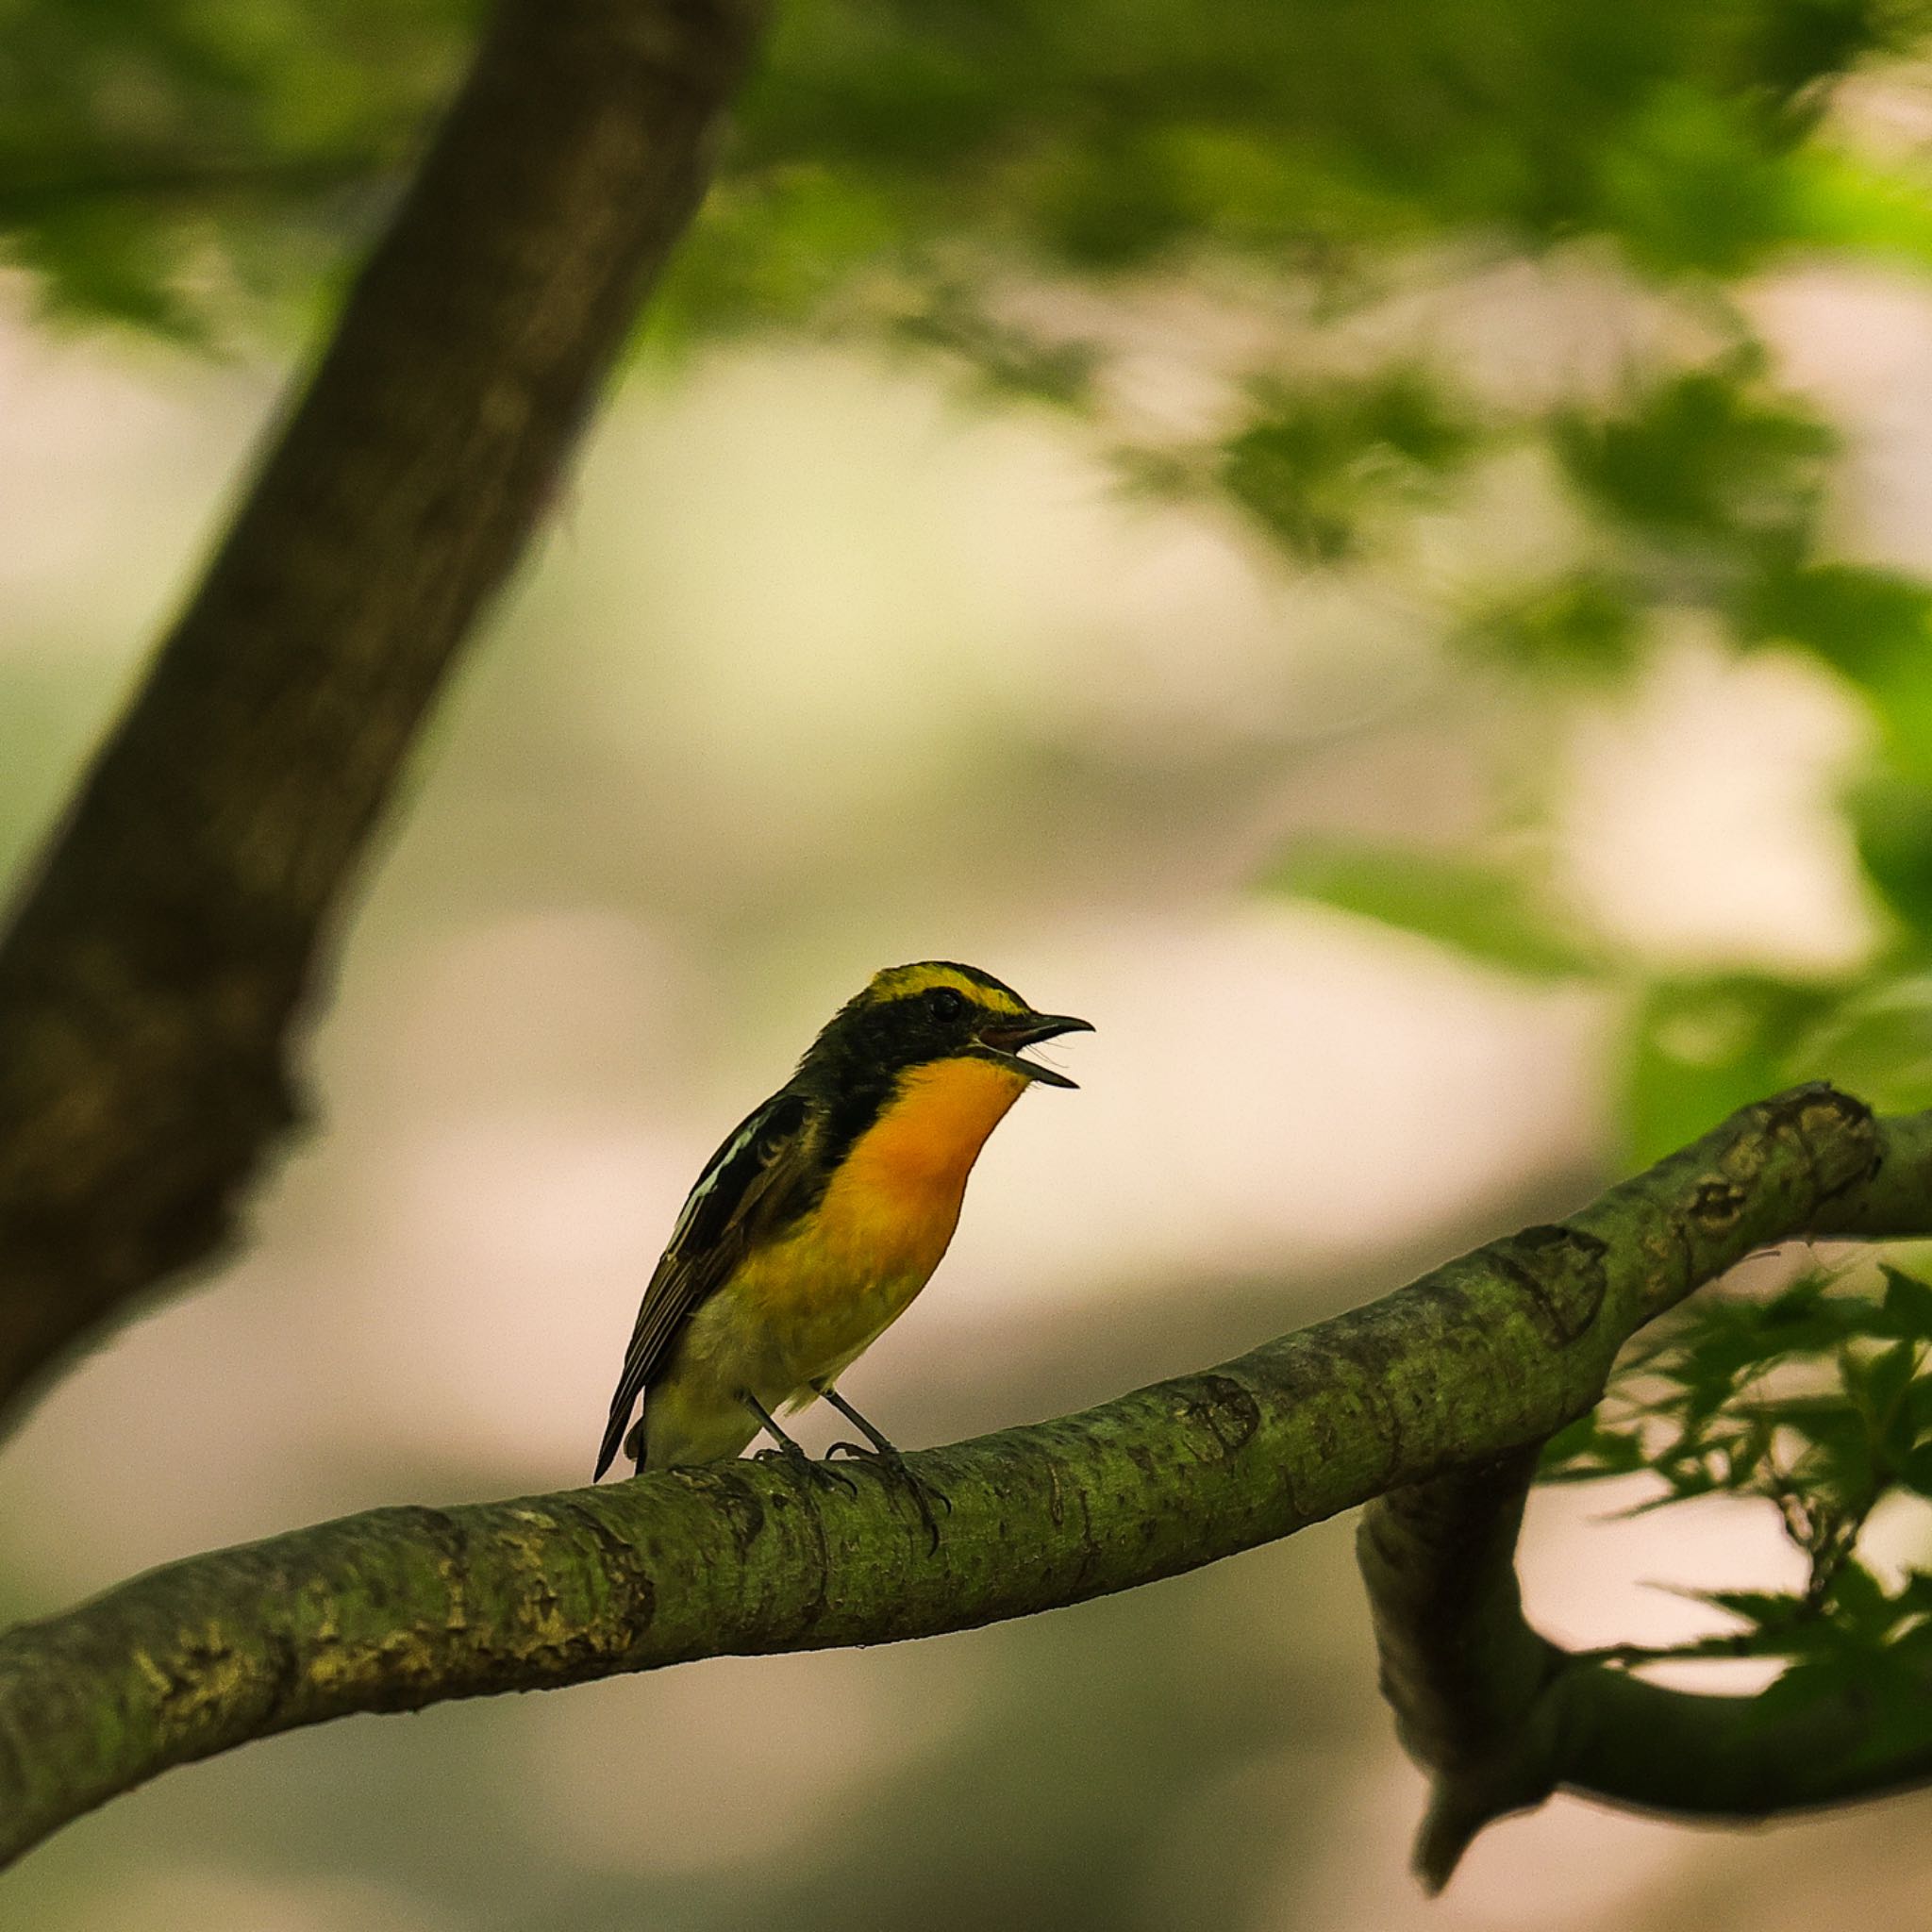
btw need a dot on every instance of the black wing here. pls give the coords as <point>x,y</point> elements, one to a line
<point>743,1183</point>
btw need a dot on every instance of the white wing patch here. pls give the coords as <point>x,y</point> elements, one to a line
<point>708,1179</point>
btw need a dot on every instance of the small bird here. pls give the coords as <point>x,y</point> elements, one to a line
<point>823,1216</point>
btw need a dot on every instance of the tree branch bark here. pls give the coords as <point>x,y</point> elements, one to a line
<point>400,1609</point>
<point>1501,1718</point>
<point>160,960</point>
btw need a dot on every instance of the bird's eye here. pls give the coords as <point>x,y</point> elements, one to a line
<point>945,1003</point>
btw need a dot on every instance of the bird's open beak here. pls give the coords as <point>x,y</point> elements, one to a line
<point>1003,1039</point>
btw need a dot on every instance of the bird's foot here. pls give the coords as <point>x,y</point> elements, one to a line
<point>819,1475</point>
<point>894,1466</point>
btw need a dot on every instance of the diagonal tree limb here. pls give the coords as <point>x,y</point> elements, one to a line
<point>400,1609</point>
<point>1501,1718</point>
<point>161,956</point>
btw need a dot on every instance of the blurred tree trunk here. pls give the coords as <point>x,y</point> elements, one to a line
<point>155,975</point>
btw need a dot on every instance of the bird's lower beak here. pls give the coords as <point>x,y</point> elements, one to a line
<point>1004,1040</point>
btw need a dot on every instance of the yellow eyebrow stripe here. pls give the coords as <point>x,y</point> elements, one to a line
<point>908,982</point>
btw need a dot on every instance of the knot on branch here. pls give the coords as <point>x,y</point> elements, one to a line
<point>1227,1411</point>
<point>1717,1207</point>
<point>1838,1133</point>
<point>1563,1275</point>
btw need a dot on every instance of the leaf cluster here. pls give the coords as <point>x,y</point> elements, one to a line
<point>1817,1402</point>
<point>1707,492</point>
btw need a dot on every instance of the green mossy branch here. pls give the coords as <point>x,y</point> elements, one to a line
<point>400,1609</point>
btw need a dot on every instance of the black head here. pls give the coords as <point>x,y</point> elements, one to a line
<point>910,1016</point>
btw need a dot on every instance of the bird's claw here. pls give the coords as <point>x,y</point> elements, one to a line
<point>815,1472</point>
<point>895,1466</point>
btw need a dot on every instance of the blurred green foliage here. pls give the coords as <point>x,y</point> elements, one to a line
<point>1483,909</point>
<point>146,148</point>
<point>1306,465</point>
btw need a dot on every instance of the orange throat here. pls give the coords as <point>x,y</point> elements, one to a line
<point>896,1197</point>
<point>930,1132</point>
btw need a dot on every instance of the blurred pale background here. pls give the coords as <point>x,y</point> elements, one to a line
<point>819,669</point>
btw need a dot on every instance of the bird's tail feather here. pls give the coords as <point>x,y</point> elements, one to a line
<point>607,1452</point>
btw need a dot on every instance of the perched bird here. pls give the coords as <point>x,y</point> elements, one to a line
<point>820,1219</point>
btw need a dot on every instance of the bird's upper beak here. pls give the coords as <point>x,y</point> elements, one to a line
<point>1003,1039</point>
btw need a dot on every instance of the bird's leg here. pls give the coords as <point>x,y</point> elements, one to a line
<point>880,1448</point>
<point>789,1451</point>
<point>889,1459</point>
